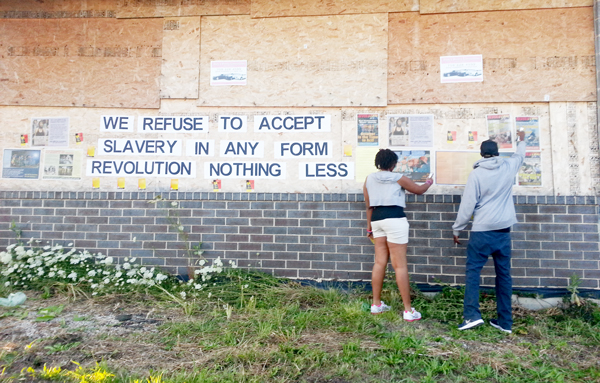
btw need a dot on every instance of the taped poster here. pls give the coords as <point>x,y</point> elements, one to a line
<point>367,129</point>
<point>62,164</point>
<point>531,127</point>
<point>530,173</point>
<point>500,130</point>
<point>50,131</point>
<point>414,130</point>
<point>21,163</point>
<point>414,164</point>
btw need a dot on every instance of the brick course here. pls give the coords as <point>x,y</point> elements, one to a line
<point>304,235</point>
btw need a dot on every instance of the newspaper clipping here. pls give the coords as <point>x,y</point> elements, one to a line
<point>461,69</point>
<point>367,129</point>
<point>21,163</point>
<point>50,131</point>
<point>62,164</point>
<point>530,173</point>
<point>228,72</point>
<point>415,164</point>
<point>500,130</point>
<point>531,126</point>
<point>411,130</point>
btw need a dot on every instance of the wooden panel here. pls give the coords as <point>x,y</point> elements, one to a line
<point>299,61</point>
<point>447,6</point>
<point>181,58</point>
<point>270,8</point>
<point>171,8</point>
<point>533,55</point>
<point>80,62</point>
<point>35,9</point>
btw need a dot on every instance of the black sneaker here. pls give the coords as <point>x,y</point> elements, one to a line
<point>494,323</point>
<point>469,323</point>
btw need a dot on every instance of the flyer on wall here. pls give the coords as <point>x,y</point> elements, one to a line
<point>415,130</point>
<point>530,173</point>
<point>21,163</point>
<point>367,129</point>
<point>50,131</point>
<point>461,68</point>
<point>62,164</point>
<point>500,130</point>
<point>228,72</point>
<point>531,126</point>
<point>414,164</point>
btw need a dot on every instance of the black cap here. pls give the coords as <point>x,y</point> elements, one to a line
<point>489,148</point>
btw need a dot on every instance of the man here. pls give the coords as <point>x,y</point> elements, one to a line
<point>488,197</point>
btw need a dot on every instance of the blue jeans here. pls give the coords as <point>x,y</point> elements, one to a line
<point>481,245</point>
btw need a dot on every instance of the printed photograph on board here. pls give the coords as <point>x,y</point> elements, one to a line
<point>228,72</point>
<point>415,130</point>
<point>50,131</point>
<point>530,173</point>
<point>531,126</point>
<point>62,164</point>
<point>415,164</point>
<point>367,129</point>
<point>500,130</point>
<point>461,68</point>
<point>21,163</point>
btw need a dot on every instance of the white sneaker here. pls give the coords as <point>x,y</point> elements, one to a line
<point>379,309</point>
<point>412,315</point>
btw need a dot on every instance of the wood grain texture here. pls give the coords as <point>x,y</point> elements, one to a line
<point>180,57</point>
<point>529,56</point>
<point>80,62</point>
<point>172,8</point>
<point>270,8</point>
<point>299,61</point>
<point>448,6</point>
<point>35,9</point>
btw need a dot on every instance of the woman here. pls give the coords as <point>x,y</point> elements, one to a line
<point>387,225</point>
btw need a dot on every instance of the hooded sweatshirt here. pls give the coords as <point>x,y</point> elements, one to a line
<point>488,194</point>
<point>384,189</point>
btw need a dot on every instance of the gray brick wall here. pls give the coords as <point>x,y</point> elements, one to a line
<point>306,235</point>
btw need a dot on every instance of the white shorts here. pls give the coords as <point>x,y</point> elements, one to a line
<point>395,229</point>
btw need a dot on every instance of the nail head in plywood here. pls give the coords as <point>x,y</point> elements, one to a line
<point>448,6</point>
<point>526,56</point>
<point>181,57</point>
<point>173,8</point>
<point>344,62</point>
<point>270,8</point>
<point>80,62</point>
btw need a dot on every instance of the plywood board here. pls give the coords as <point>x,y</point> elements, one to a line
<point>574,148</point>
<point>80,62</point>
<point>300,61</point>
<point>35,9</point>
<point>528,56</point>
<point>270,8</point>
<point>180,57</point>
<point>172,8</point>
<point>448,6</point>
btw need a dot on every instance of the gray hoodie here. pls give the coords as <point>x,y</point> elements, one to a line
<point>488,194</point>
<point>384,190</point>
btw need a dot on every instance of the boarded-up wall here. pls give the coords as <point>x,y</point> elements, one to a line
<point>300,61</point>
<point>270,8</point>
<point>80,62</point>
<point>447,6</point>
<point>529,56</point>
<point>35,9</point>
<point>181,57</point>
<point>171,8</point>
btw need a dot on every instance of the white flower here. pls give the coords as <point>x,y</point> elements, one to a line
<point>132,260</point>
<point>70,244</point>
<point>143,269</point>
<point>5,257</point>
<point>106,281</point>
<point>118,274</point>
<point>108,261</point>
<point>160,277</point>
<point>245,286</point>
<point>94,285</point>
<point>134,239</point>
<point>209,294</point>
<point>126,266</point>
<point>7,284</point>
<point>91,273</point>
<point>183,294</point>
<point>51,274</point>
<point>126,259</point>
<point>202,262</point>
<point>173,203</point>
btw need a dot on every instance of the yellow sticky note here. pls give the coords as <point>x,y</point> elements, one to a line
<point>91,151</point>
<point>142,184</point>
<point>174,184</point>
<point>347,150</point>
<point>96,183</point>
<point>120,183</point>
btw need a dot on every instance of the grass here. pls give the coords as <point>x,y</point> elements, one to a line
<point>250,327</point>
